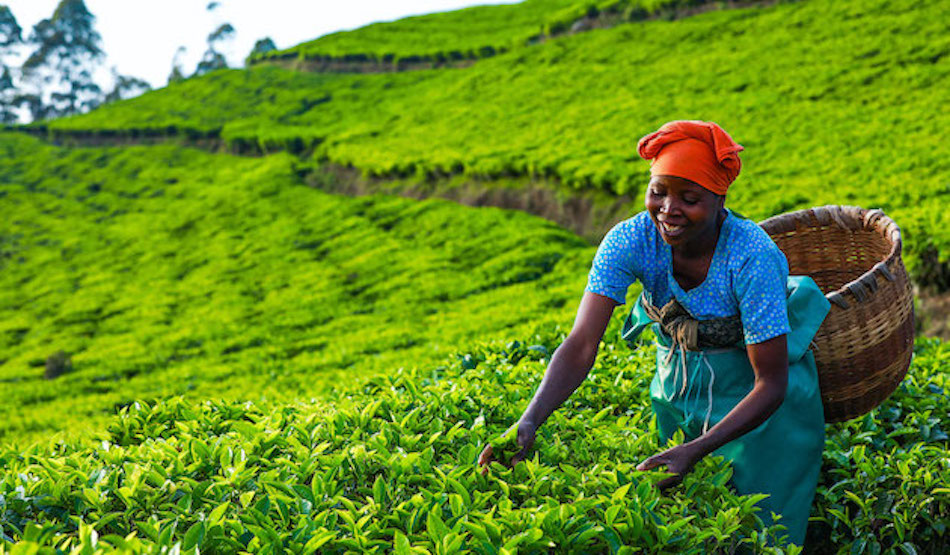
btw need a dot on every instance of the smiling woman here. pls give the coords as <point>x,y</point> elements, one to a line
<point>732,373</point>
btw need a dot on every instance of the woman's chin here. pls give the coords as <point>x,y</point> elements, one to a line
<point>672,239</point>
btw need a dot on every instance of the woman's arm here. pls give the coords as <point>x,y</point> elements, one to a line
<point>770,362</point>
<point>573,359</point>
<point>568,368</point>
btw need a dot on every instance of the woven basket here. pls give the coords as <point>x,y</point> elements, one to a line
<point>864,346</point>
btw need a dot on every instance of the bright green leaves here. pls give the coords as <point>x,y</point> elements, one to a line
<point>214,276</point>
<point>506,446</point>
<point>392,467</point>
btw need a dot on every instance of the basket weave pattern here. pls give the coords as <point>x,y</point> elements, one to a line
<point>863,348</point>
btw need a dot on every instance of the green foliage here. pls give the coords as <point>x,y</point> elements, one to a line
<point>505,446</point>
<point>461,34</point>
<point>884,482</point>
<point>167,271</point>
<point>166,276</point>
<point>392,465</point>
<point>261,47</point>
<point>213,59</point>
<point>10,31</point>
<point>813,113</point>
<point>470,33</point>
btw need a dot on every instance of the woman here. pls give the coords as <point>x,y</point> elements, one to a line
<point>733,367</point>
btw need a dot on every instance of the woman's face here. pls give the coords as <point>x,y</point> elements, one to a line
<point>681,210</point>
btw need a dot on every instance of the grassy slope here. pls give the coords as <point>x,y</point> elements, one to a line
<point>467,33</point>
<point>836,102</point>
<point>464,32</point>
<point>170,271</point>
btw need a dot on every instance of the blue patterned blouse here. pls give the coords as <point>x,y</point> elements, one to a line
<point>747,274</point>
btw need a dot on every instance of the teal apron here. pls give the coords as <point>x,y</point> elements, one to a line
<point>781,457</point>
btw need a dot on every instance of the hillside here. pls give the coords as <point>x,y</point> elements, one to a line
<point>458,38</point>
<point>465,34</point>
<point>167,271</point>
<point>843,110</point>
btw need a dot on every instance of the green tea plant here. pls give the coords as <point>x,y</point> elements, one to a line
<point>884,484</point>
<point>462,34</point>
<point>836,102</point>
<point>391,465</point>
<point>466,34</point>
<point>204,299</point>
<point>164,271</point>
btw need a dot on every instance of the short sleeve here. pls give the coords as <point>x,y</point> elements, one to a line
<point>761,291</point>
<point>613,269</point>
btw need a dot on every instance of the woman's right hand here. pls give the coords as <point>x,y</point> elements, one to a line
<point>526,436</point>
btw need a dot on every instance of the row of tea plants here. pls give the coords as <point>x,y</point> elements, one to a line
<point>466,34</point>
<point>843,110</point>
<point>390,466</point>
<point>166,271</point>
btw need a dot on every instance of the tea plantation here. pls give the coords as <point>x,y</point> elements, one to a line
<point>167,270</point>
<point>467,34</point>
<point>204,352</point>
<point>841,110</point>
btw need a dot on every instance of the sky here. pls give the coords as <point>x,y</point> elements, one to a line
<point>141,37</point>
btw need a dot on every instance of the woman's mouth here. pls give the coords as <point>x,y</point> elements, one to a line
<point>671,230</point>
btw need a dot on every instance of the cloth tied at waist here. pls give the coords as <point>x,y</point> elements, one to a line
<point>807,308</point>
<point>692,334</point>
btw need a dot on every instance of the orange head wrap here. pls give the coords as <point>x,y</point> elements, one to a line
<point>699,151</point>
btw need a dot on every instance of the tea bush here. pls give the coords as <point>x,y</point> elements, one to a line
<point>166,271</point>
<point>836,102</point>
<point>391,466</point>
<point>461,34</point>
<point>466,34</point>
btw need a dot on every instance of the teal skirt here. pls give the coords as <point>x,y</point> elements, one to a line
<point>694,390</point>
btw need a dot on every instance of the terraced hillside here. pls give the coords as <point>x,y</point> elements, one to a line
<point>167,271</point>
<point>462,36</point>
<point>836,102</point>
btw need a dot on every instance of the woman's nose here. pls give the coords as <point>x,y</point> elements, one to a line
<point>668,205</point>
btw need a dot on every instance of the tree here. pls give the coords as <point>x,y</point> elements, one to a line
<point>262,46</point>
<point>213,59</point>
<point>178,73</point>
<point>126,86</point>
<point>11,36</point>
<point>11,33</point>
<point>61,68</point>
<point>7,98</point>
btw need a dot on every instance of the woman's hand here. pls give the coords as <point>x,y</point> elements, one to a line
<point>526,436</point>
<point>679,460</point>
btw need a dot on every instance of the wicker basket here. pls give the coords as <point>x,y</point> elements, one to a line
<point>864,346</point>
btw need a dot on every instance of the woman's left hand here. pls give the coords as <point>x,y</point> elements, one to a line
<point>679,460</point>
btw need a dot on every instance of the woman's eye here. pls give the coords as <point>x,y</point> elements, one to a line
<point>690,201</point>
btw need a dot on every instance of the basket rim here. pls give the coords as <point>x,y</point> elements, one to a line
<point>852,218</point>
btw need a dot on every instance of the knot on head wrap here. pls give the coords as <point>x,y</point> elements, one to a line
<point>699,151</point>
